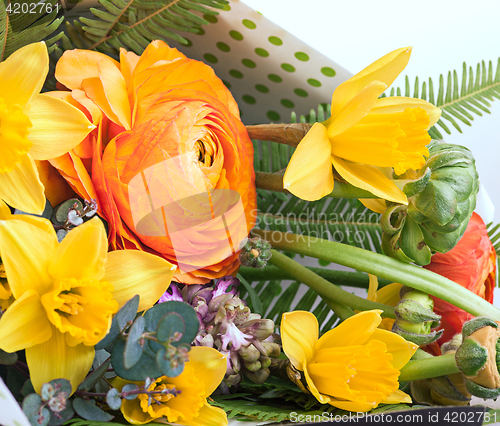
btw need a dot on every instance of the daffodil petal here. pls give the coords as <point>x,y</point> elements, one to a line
<point>82,253</point>
<point>4,211</point>
<point>372,288</point>
<point>26,251</point>
<point>299,333</point>
<point>136,272</point>
<point>354,406</point>
<point>309,174</point>
<point>210,366</point>
<point>133,412</point>
<point>389,294</point>
<point>356,330</point>
<point>85,61</point>
<point>57,127</point>
<point>24,324</point>
<point>370,179</point>
<point>397,397</point>
<point>400,349</point>
<point>396,104</point>
<point>356,109</point>
<point>55,359</point>
<point>23,73</point>
<point>323,399</point>
<point>376,205</point>
<point>115,90</point>
<point>208,416</point>
<point>22,188</point>
<point>385,69</point>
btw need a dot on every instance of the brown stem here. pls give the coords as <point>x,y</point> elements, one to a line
<point>288,134</point>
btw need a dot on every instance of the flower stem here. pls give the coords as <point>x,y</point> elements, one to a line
<point>274,182</point>
<point>426,368</point>
<point>344,278</point>
<point>288,134</point>
<point>384,267</point>
<point>340,301</point>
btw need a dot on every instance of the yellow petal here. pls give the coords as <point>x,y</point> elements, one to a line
<point>210,366</point>
<point>21,188</point>
<point>57,127</point>
<point>389,294</point>
<point>4,211</point>
<point>26,252</point>
<point>400,349</point>
<point>82,253</point>
<point>397,397</point>
<point>309,174</point>
<point>94,90</point>
<point>395,104</point>
<point>133,412</point>
<point>115,90</point>
<point>370,179</point>
<point>207,416</point>
<point>323,399</point>
<point>136,272</point>
<point>385,69</point>
<point>353,331</point>
<point>23,73</point>
<point>376,205</point>
<point>356,109</point>
<point>24,324</point>
<point>354,406</point>
<point>372,288</point>
<point>299,333</point>
<point>128,62</point>
<point>55,359</point>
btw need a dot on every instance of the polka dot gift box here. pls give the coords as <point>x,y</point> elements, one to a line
<point>269,71</point>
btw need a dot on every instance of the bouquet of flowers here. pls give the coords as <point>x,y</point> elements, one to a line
<point>147,236</point>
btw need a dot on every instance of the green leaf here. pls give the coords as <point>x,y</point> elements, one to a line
<point>165,364</point>
<point>89,411</point>
<point>113,399</point>
<point>169,325</point>
<point>133,346</point>
<point>7,358</point>
<point>32,407</point>
<point>62,210</point>
<point>131,387</point>
<point>145,367</point>
<point>93,378</point>
<point>255,304</point>
<point>63,416</point>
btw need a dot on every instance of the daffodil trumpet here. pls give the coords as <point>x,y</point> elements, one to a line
<point>381,266</point>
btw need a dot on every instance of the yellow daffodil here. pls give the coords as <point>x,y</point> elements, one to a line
<point>66,293</point>
<point>33,126</point>
<point>363,134</point>
<point>387,295</point>
<point>354,367</point>
<point>187,404</point>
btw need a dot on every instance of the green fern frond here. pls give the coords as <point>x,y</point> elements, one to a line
<point>27,21</point>
<point>460,99</point>
<point>133,24</point>
<point>494,234</point>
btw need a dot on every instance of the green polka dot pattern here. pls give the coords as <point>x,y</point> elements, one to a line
<point>262,52</point>
<point>329,72</point>
<point>189,42</point>
<point>301,56</point>
<point>275,78</point>
<point>288,67</point>
<point>313,82</point>
<point>261,88</point>
<point>287,103</point>
<point>210,58</point>
<point>300,92</point>
<point>273,115</point>
<point>236,35</point>
<point>275,40</point>
<point>210,18</point>
<point>249,99</point>
<point>248,63</point>
<point>223,46</point>
<point>200,32</point>
<point>235,74</point>
<point>249,24</point>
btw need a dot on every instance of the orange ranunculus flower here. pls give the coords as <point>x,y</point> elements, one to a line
<point>169,153</point>
<point>472,264</point>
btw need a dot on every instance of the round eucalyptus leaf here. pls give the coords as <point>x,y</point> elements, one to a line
<point>62,385</point>
<point>113,399</point>
<point>169,325</point>
<point>89,411</point>
<point>133,347</point>
<point>63,416</point>
<point>7,358</point>
<point>169,367</point>
<point>145,367</point>
<point>62,210</point>
<point>128,388</point>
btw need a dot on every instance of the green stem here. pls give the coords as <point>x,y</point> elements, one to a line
<point>342,300</point>
<point>427,368</point>
<point>274,182</point>
<point>344,278</point>
<point>384,267</point>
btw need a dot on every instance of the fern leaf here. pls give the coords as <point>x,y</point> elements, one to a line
<point>461,98</point>
<point>133,24</point>
<point>27,21</point>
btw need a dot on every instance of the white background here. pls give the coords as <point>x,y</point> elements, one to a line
<point>443,34</point>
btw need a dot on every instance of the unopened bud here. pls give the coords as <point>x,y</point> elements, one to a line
<point>260,328</point>
<point>252,366</point>
<point>233,379</point>
<point>255,253</point>
<point>249,353</point>
<point>259,376</point>
<point>265,361</point>
<point>272,349</point>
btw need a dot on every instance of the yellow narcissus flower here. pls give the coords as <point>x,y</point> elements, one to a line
<point>363,134</point>
<point>201,376</point>
<point>66,293</point>
<point>33,126</point>
<point>387,295</point>
<point>355,366</point>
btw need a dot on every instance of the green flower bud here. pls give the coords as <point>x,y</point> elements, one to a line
<point>259,376</point>
<point>265,361</point>
<point>249,353</point>
<point>255,253</point>
<point>252,366</point>
<point>272,349</point>
<point>260,328</point>
<point>441,198</point>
